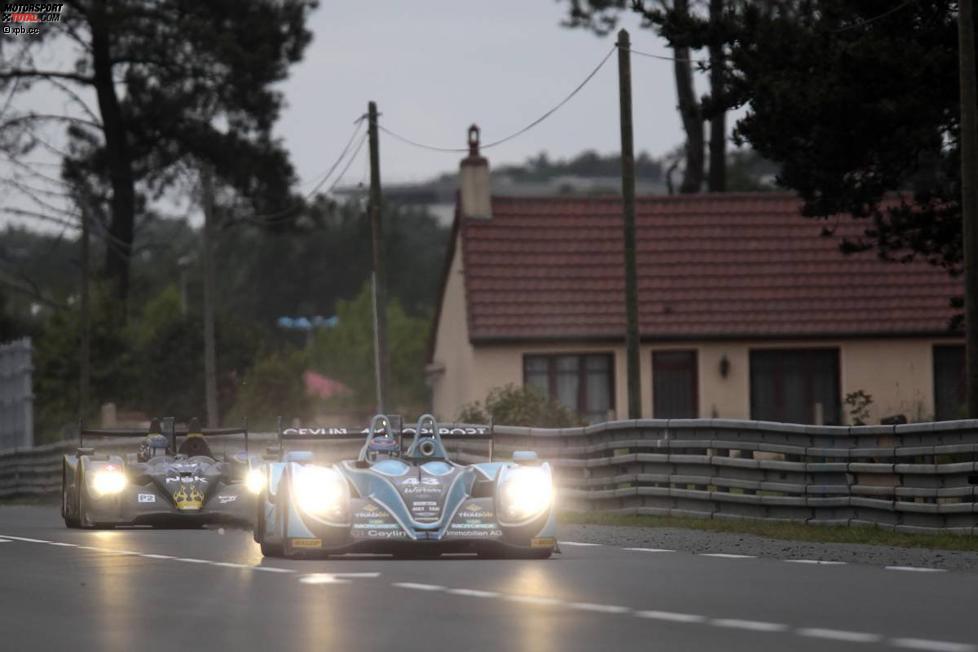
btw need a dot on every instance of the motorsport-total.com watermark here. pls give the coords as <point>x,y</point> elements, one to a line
<point>26,17</point>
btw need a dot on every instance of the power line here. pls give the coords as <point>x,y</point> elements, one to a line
<point>863,23</point>
<point>515,134</point>
<point>285,213</point>
<point>663,57</point>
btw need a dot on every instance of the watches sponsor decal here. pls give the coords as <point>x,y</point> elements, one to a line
<point>224,500</point>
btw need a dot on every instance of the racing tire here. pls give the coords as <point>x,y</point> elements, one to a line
<point>260,531</point>
<point>71,520</point>
<point>267,549</point>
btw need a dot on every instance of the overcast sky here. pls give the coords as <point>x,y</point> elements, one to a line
<point>444,64</point>
<point>434,67</point>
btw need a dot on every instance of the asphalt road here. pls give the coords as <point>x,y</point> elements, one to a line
<point>161,590</point>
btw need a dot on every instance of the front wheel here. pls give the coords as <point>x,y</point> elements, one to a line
<point>70,516</point>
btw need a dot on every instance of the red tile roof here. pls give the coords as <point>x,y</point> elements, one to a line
<point>709,266</point>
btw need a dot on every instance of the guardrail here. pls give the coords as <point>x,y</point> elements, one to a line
<point>914,478</point>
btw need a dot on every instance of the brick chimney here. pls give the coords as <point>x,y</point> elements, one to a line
<point>474,188</point>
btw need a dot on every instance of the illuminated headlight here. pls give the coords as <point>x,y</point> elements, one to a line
<point>320,491</point>
<point>255,481</point>
<point>109,480</point>
<point>525,493</point>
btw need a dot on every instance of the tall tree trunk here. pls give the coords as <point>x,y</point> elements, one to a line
<point>123,205</point>
<point>689,111</point>
<point>717,179</point>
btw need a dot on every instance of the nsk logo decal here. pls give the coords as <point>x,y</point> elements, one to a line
<point>146,498</point>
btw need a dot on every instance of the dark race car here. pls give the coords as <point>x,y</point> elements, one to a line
<point>407,501</point>
<point>163,484</point>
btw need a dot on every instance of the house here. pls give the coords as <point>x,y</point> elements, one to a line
<point>746,310</point>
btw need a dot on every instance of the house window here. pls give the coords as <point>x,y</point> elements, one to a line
<point>949,384</point>
<point>583,383</point>
<point>794,385</point>
<point>674,385</point>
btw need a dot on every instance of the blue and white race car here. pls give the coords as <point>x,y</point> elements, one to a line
<point>410,501</point>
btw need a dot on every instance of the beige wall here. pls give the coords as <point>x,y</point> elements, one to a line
<point>897,372</point>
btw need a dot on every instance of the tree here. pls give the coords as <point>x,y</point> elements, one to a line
<point>345,353</point>
<point>510,405</point>
<point>174,81</point>
<point>685,31</point>
<point>854,101</point>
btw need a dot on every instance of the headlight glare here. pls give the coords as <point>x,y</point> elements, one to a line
<point>109,480</point>
<point>255,481</point>
<point>320,491</point>
<point>525,493</point>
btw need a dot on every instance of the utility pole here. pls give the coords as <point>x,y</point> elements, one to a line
<point>84,361</point>
<point>969,196</point>
<point>381,358</point>
<point>210,356</point>
<point>628,205</point>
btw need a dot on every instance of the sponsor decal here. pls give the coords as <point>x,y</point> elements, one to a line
<point>543,542</point>
<point>370,526</point>
<point>425,480</point>
<point>420,489</point>
<point>386,534</point>
<point>224,500</point>
<point>307,543</point>
<point>474,534</point>
<point>146,498</point>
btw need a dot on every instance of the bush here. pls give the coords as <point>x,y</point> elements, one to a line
<point>520,406</point>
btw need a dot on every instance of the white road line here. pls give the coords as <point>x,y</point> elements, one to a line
<point>418,587</point>
<point>149,556</point>
<point>671,616</point>
<point>579,543</point>
<point>649,549</point>
<point>272,569</point>
<point>751,625</point>
<point>333,578</point>
<point>190,560</point>
<point>474,593</point>
<point>916,569</point>
<point>5,541</point>
<point>932,646</point>
<point>726,555</point>
<point>820,562</point>
<point>839,635</point>
<point>64,545</point>
<point>534,599</point>
<point>600,608</point>
<point>25,539</point>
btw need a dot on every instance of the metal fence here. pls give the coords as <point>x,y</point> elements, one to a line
<point>913,478</point>
<point>16,395</point>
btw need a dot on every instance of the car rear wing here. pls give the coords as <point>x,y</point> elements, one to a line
<point>167,428</point>
<point>447,431</point>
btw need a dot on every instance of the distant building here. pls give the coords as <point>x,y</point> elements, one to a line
<point>745,311</point>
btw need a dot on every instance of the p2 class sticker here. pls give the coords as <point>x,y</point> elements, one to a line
<point>146,498</point>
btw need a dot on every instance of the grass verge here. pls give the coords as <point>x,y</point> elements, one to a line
<point>786,531</point>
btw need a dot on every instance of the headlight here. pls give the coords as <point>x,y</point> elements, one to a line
<point>109,480</point>
<point>525,493</point>
<point>320,491</point>
<point>255,481</point>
